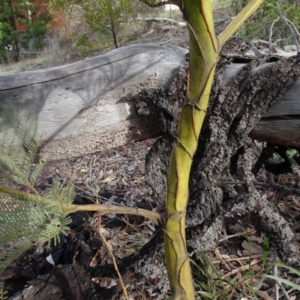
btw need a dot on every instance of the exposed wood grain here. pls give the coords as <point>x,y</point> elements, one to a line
<point>284,131</point>
<point>84,107</point>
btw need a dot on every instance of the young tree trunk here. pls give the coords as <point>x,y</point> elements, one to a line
<point>114,32</point>
<point>12,22</point>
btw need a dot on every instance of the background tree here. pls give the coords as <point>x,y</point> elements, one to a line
<point>36,19</point>
<point>64,7</point>
<point>9,49</point>
<point>265,15</point>
<point>108,14</point>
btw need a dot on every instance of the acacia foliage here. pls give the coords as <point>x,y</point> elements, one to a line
<point>107,13</point>
<point>258,26</point>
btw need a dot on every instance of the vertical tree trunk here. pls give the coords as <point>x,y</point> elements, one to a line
<point>114,33</point>
<point>12,22</point>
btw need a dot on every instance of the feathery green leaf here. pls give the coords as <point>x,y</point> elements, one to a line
<point>19,147</point>
<point>27,219</point>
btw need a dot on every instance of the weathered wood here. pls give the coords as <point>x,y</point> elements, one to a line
<point>281,123</point>
<point>80,106</point>
<point>85,107</point>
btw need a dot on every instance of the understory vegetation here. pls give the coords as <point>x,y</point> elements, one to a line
<point>265,16</point>
<point>91,37</point>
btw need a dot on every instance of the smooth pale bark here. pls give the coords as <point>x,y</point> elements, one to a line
<point>86,106</point>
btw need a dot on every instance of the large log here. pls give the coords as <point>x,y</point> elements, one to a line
<point>80,106</point>
<point>85,107</point>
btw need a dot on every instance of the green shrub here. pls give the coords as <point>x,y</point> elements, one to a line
<point>36,21</point>
<point>8,35</point>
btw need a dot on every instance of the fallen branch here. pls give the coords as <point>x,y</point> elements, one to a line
<point>181,24</point>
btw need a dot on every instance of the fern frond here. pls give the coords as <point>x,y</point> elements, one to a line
<point>49,205</point>
<point>15,212</point>
<point>13,216</point>
<point>20,131</point>
<point>17,207</point>
<point>19,195</point>
<point>9,165</point>
<point>50,225</point>
<point>26,220</point>
<point>3,294</point>
<point>58,225</point>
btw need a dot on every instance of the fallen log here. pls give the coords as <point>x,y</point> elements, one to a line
<point>80,106</point>
<point>234,111</point>
<point>86,106</point>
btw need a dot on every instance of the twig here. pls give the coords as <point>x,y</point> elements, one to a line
<point>271,33</point>
<point>115,264</point>
<point>218,254</point>
<point>235,235</point>
<point>292,24</point>
<point>284,291</point>
<point>243,268</point>
<point>113,209</point>
<point>215,262</point>
<point>279,187</point>
<point>276,287</point>
<point>288,25</point>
